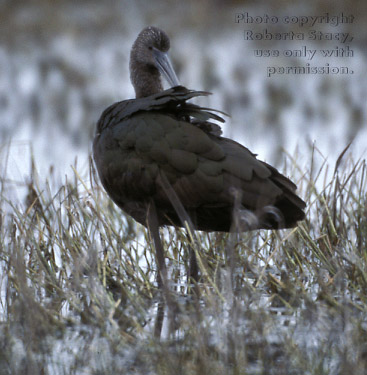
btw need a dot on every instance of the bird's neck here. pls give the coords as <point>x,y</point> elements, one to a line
<point>146,80</point>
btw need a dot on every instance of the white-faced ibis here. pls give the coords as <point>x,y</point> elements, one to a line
<point>157,154</point>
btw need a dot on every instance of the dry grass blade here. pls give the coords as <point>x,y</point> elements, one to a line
<point>78,277</point>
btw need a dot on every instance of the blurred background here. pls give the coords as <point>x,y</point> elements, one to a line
<point>63,62</point>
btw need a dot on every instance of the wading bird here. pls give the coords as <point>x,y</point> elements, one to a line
<point>163,162</point>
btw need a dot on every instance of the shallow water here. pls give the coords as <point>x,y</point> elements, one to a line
<point>273,339</point>
<point>56,79</point>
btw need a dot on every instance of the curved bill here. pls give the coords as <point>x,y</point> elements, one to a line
<point>165,67</point>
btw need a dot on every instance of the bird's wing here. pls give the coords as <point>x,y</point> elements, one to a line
<point>236,176</point>
<point>203,170</point>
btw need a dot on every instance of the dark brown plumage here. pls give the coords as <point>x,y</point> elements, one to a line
<point>159,136</point>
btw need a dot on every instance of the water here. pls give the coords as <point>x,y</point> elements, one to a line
<point>56,81</point>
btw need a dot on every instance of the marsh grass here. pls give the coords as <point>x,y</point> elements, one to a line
<point>79,293</point>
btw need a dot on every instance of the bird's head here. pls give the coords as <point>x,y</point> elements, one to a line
<point>149,56</point>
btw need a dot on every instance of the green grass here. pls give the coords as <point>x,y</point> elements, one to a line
<point>78,290</point>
